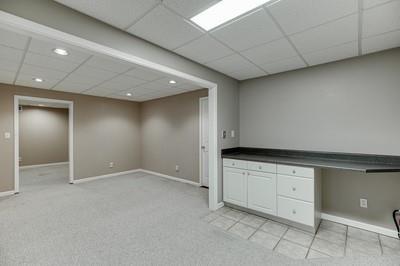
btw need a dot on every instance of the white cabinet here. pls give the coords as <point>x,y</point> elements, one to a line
<point>289,192</point>
<point>235,186</point>
<point>261,192</point>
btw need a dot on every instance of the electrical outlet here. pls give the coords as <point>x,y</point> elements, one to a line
<point>7,135</point>
<point>177,168</point>
<point>363,203</point>
<point>232,133</point>
<point>224,134</point>
<point>111,165</point>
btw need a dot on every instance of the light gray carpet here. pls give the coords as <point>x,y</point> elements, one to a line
<point>136,219</point>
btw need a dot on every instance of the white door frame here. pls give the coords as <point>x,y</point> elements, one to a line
<point>200,138</point>
<point>12,22</point>
<point>17,99</point>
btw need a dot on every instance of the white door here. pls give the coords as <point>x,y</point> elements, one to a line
<point>204,142</point>
<point>235,186</point>
<point>262,192</point>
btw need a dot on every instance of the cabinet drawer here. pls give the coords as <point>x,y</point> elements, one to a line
<point>296,210</point>
<point>262,167</point>
<point>295,170</point>
<point>296,187</point>
<point>235,163</point>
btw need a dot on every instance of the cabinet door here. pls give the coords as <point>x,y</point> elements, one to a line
<point>262,192</point>
<point>235,186</point>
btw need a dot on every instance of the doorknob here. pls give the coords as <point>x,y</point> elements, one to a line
<point>203,147</point>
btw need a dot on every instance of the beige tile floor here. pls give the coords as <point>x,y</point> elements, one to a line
<point>331,240</point>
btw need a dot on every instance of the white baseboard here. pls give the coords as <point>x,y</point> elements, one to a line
<point>41,165</point>
<point>361,225</point>
<point>220,205</point>
<point>7,193</point>
<point>171,177</point>
<point>88,179</point>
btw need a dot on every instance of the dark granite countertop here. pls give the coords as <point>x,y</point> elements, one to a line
<point>347,161</point>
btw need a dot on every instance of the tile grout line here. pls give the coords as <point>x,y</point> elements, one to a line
<point>258,228</point>
<point>280,239</point>
<point>28,43</point>
<point>130,25</point>
<point>380,243</point>
<point>345,241</point>
<point>312,242</point>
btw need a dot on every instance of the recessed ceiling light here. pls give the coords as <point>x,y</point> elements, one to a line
<point>172,82</point>
<point>224,11</point>
<point>38,79</point>
<point>60,51</point>
<point>129,94</point>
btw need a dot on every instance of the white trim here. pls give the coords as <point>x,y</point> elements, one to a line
<point>13,22</point>
<point>200,138</point>
<point>220,205</point>
<point>93,178</point>
<point>171,177</point>
<point>41,165</point>
<point>7,193</point>
<point>70,105</point>
<point>361,225</point>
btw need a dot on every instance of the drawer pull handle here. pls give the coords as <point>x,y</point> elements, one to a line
<point>244,173</point>
<point>293,188</point>
<point>233,163</point>
<point>294,211</point>
<point>260,167</point>
<point>294,171</point>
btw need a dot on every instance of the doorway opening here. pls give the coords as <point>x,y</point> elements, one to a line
<point>43,142</point>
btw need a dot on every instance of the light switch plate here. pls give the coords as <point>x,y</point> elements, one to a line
<point>7,135</point>
<point>232,133</point>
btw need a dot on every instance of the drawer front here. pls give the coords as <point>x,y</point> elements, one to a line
<point>235,163</point>
<point>262,167</point>
<point>295,170</point>
<point>296,210</point>
<point>296,187</point>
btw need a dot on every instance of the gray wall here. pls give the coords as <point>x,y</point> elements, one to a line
<point>105,130</point>
<point>43,135</point>
<point>347,106</point>
<point>57,16</point>
<point>170,135</point>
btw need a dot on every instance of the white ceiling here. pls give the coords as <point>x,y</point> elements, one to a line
<point>23,58</point>
<point>280,36</point>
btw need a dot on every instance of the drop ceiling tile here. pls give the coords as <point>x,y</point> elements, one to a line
<point>122,97</point>
<point>270,52</point>
<point>12,39</point>
<point>381,42</point>
<point>119,13</point>
<point>156,85</point>
<point>284,65</point>
<point>165,28</point>
<point>248,73</point>
<point>122,82</point>
<point>140,90</point>
<point>204,49</point>
<point>97,73</point>
<point>295,16</point>
<point>70,86</point>
<point>322,37</point>
<point>101,92</point>
<point>372,3</point>
<point>10,54</point>
<point>80,79</point>
<point>381,19</point>
<point>7,76</point>
<point>144,73</point>
<point>249,31</point>
<point>189,8</point>
<point>8,65</point>
<point>46,48</point>
<point>27,80</point>
<point>229,64</point>
<point>332,54</point>
<point>41,72</point>
<point>109,64</point>
<point>50,62</point>
<point>189,86</point>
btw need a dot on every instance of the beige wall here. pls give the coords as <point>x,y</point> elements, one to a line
<point>347,106</point>
<point>43,135</point>
<point>170,135</point>
<point>105,130</point>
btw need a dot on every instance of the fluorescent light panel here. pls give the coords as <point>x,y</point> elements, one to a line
<point>224,11</point>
